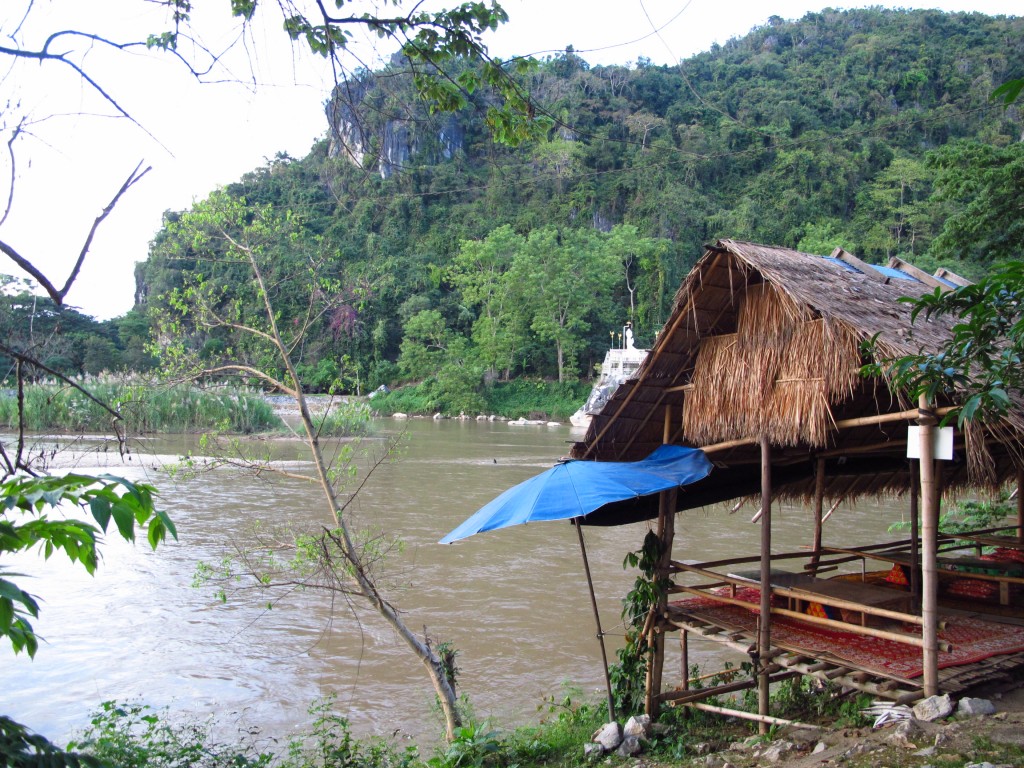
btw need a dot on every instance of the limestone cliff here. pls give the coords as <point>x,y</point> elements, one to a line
<point>379,128</point>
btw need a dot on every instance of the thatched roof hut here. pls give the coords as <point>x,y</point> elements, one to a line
<point>768,342</point>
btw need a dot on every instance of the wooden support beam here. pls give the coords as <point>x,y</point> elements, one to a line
<point>931,281</point>
<point>866,269</point>
<point>861,421</point>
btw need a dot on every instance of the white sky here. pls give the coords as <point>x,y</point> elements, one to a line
<point>203,136</point>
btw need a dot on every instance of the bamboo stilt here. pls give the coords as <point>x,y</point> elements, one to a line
<point>929,535</point>
<point>819,498</point>
<point>915,530</point>
<point>764,633</point>
<point>684,658</point>
<point>1020,504</point>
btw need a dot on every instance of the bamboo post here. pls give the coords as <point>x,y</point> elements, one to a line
<point>684,658</point>
<point>764,629</point>
<point>915,530</point>
<point>929,537</point>
<point>1020,505</point>
<point>656,639</point>
<point>597,621</point>
<point>819,494</point>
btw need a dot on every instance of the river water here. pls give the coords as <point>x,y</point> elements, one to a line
<point>513,602</point>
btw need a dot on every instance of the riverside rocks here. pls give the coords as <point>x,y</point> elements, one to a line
<point>625,741</point>
<point>934,708</point>
<point>890,743</point>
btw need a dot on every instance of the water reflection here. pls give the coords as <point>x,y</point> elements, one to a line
<point>513,602</point>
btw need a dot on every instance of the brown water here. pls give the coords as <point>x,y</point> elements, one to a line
<point>513,602</point>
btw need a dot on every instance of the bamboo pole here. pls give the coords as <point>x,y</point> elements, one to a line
<point>763,720</point>
<point>597,620</point>
<point>835,602</point>
<point>915,530</point>
<point>862,421</point>
<point>765,618</point>
<point>684,658</point>
<point>819,499</point>
<point>929,535</point>
<point>656,639</point>
<point>1020,505</point>
<point>680,697</point>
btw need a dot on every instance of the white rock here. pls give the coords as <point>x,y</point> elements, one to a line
<point>608,736</point>
<point>630,747</point>
<point>969,706</point>
<point>933,708</point>
<point>775,752</point>
<point>638,725</point>
<point>820,747</point>
<point>399,415</point>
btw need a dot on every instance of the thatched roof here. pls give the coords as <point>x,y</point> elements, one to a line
<point>767,342</point>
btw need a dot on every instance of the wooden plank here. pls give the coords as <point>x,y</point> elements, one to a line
<point>860,266</point>
<point>918,274</point>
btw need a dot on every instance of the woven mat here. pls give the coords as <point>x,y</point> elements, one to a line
<point>973,639</point>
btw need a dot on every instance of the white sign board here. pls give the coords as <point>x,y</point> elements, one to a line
<point>942,443</point>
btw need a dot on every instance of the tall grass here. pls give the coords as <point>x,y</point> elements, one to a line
<point>145,407</point>
<point>345,419</point>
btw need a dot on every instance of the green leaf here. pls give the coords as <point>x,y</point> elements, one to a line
<point>1008,92</point>
<point>124,517</point>
<point>100,508</point>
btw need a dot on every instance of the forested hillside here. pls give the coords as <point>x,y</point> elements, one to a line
<point>441,254</point>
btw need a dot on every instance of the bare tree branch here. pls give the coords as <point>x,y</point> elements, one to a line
<point>38,275</point>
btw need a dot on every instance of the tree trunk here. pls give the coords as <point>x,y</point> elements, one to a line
<point>342,538</point>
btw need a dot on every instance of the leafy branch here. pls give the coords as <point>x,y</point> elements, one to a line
<point>104,498</point>
<point>980,365</point>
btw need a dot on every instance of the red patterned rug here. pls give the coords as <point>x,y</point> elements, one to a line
<point>973,639</point>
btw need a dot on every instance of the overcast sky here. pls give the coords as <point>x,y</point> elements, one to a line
<point>198,137</point>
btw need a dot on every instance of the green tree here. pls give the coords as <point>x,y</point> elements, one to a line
<point>983,188</point>
<point>980,366</point>
<point>479,272</point>
<point>562,277</point>
<point>424,345</point>
<point>892,213</point>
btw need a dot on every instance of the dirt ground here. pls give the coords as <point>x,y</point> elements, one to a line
<point>996,739</point>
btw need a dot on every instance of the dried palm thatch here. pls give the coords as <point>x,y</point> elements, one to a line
<point>775,376</point>
<point>766,342</point>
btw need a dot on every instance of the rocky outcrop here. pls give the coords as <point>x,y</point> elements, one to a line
<point>365,127</point>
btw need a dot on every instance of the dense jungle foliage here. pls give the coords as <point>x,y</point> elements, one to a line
<point>440,255</point>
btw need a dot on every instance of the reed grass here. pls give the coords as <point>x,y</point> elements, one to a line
<point>345,419</point>
<point>145,407</point>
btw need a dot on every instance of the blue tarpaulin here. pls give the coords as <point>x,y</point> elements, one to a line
<point>576,488</point>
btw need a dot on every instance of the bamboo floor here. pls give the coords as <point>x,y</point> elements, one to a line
<point>823,656</point>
